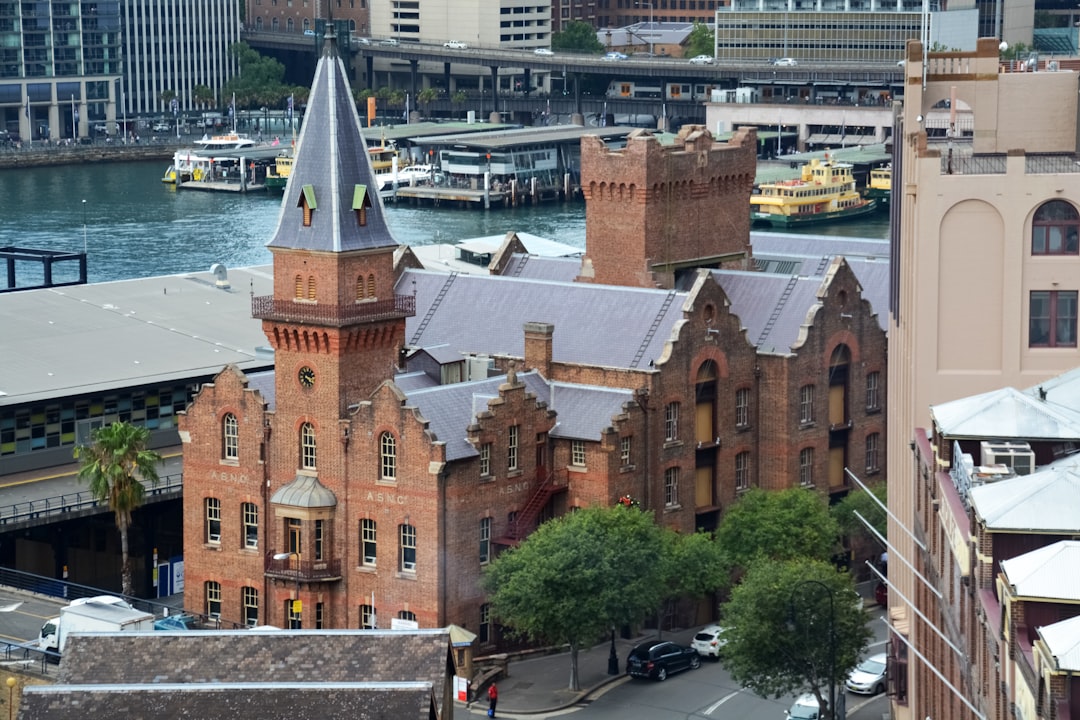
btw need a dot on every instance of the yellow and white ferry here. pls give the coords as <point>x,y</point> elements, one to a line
<point>825,192</point>
<point>880,185</point>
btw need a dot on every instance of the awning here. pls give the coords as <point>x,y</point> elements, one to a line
<point>817,139</point>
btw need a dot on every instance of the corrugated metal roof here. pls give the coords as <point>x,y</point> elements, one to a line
<point>332,159</point>
<point>1006,413</point>
<point>1048,573</point>
<point>1044,501</point>
<point>483,314</point>
<point>503,139</point>
<point>1063,641</point>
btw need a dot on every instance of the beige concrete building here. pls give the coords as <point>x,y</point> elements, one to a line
<point>986,272</point>
<point>477,23</point>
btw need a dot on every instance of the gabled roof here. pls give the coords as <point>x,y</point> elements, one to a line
<point>1063,389</point>
<point>1048,573</point>
<point>1063,641</point>
<point>485,314</point>
<point>1043,502</point>
<point>1006,413</point>
<point>772,308</point>
<point>331,162</point>
<point>533,267</point>
<point>585,411</point>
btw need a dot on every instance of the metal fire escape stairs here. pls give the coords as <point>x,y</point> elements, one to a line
<point>433,307</point>
<point>653,328</point>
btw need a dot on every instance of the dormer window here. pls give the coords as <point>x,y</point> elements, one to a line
<point>307,203</point>
<point>361,203</point>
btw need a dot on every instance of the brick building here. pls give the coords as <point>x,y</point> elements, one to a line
<point>419,421</point>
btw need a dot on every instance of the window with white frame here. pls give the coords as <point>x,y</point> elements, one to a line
<point>873,391</point>
<point>388,457</point>
<point>872,443</point>
<point>806,466</point>
<point>250,512</point>
<point>367,617</point>
<point>213,520</point>
<point>249,596</point>
<point>625,446</point>
<point>577,453</point>
<point>367,542</point>
<point>742,407</point>
<point>671,487</point>
<point>407,542</point>
<point>742,470</point>
<point>806,404</point>
<point>485,460</point>
<point>485,540</point>
<point>512,447</point>
<point>213,599</point>
<point>307,446</point>
<point>671,421</point>
<point>485,624</point>
<point>230,437</point>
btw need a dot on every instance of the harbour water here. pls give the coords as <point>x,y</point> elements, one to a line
<point>132,225</point>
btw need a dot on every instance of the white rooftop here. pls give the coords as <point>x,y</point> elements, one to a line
<point>1006,413</point>
<point>1048,573</point>
<point>1043,502</point>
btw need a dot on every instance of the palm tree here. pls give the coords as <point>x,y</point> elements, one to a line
<point>110,464</point>
<point>203,96</point>
<point>459,98</point>
<point>425,97</point>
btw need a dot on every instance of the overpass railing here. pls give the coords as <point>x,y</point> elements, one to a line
<point>82,500</point>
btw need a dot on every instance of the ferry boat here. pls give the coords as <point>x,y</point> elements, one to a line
<point>278,175</point>
<point>187,162</point>
<point>405,176</point>
<point>825,192</point>
<point>880,186</point>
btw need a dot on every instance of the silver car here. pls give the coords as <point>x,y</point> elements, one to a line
<point>868,677</point>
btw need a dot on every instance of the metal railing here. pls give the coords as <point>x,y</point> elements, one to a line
<point>308,570</point>
<point>266,307</point>
<point>82,500</point>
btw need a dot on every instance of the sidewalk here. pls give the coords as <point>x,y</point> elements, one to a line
<point>540,685</point>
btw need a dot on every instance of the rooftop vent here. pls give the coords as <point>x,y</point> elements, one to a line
<point>1016,455</point>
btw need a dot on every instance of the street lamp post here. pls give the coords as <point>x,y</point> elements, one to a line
<point>832,636</point>
<point>84,226</point>
<point>613,657</point>
<point>289,556</point>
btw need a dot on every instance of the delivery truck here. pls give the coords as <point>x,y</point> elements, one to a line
<point>99,614</point>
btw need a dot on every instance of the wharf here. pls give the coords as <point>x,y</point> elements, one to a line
<point>221,186</point>
<point>464,197</point>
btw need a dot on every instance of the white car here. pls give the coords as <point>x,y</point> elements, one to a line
<point>614,57</point>
<point>702,60</point>
<point>455,45</point>
<point>708,641</point>
<point>389,42</point>
<point>542,51</point>
<point>868,677</point>
<point>162,127</point>
<point>805,707</point>
<point>785,62</point>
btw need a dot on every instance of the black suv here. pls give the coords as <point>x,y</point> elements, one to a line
<point>656,660</point>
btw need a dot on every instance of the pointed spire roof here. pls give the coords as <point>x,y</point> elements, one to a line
<point>332,174</point>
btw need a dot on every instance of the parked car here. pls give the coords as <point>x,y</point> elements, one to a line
<point>785,62</point>
<point>389,42</point>
<point>162,126</point>
<point>614,56</point>
<point>362,40</point>
<point>309,32</point>
<point>702,60</point>
<point>455,45</point>
<point>708,641</point>
<point>656,660</point>
<point>868,677</point>
<point>542,51</point>
<point>805,707</point>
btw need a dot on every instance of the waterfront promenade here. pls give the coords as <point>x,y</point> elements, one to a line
<point>41,154</point>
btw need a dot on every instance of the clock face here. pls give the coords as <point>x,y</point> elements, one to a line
<point>306,376</point>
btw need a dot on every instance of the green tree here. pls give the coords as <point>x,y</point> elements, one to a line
<point>777,525</point>
<point>425,97</point>
<point>112,464</point>
<point>692,566</point>
<point>700,41</point>
<point>577,36</point>
<point>258,77</point>
<point>858,501</point>
<point>203,96</point>
<point>459,98</point>
<point>779,623</point>
<point>167,97</point>
<point>578,576</point>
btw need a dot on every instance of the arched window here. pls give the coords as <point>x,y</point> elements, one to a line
<point>230,437</point>
<point>289,25</point>
<point>388,457</point>
<point>258,24</point>
<point>371,285</point>
<point>1055,229</point>
<point>307,446</point>
<point>298,292</point>
<point>274,25</point>
<point>311,288</point>
<point>360,288</point>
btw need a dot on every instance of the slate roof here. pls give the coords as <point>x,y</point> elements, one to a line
<point>1006,413</point>
<point>585,411</point>
<point>532,267</point>
<point>209,701</point>
<point>1043,502</point>
<point>485,314</point>
<point>331,158</point>
<point>1048,573</point>
<point>1063,641</point>
<point>772,308</point>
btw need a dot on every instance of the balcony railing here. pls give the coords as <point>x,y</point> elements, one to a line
<point>306,571</point>
<point>267,307</point>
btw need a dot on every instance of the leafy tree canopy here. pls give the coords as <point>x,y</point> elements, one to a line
<point>777,525</point>
<point>577,36</point>
<point>779,621</point>
<point>260,81</point>
<point>578,576</point>
<point>858,501</point>
<point>700,41</point>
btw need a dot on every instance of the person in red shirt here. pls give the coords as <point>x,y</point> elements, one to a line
<point>493,699</point>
